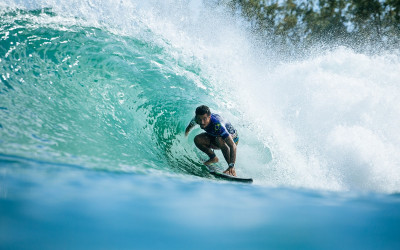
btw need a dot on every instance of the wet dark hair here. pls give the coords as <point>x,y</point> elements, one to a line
<point>203,109</point>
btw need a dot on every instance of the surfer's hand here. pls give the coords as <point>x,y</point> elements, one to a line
<point>187,132</point>
<point>230,171</point>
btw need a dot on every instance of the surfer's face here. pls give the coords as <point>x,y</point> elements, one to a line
<point>203,120</point>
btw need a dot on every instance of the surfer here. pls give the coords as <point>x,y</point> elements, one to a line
<point>219,135</point>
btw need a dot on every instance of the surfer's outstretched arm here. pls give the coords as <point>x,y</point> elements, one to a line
<point>190,126</point>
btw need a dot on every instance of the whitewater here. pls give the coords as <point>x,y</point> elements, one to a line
<point>94,99</point>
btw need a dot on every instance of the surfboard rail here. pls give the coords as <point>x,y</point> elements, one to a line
<point>217,173</point>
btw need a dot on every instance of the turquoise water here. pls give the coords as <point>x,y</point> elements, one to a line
<point>94,100</point>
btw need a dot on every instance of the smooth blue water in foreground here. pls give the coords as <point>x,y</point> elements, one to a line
<point>47,206</point>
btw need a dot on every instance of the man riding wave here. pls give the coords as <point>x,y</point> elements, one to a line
<point>219,134</point>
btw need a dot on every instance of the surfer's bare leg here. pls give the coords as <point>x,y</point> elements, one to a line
<point>203,142</point>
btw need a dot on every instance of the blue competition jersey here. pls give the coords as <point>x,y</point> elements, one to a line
<point>218,127</point>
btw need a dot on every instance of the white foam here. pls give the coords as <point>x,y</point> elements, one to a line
<point>330,121</point>
<point>334,121</point>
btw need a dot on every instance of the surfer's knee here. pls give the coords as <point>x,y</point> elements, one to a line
<point>200,140</point>
<point>197,140</point>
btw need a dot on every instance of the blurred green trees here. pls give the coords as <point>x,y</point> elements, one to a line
<point>303,23</point>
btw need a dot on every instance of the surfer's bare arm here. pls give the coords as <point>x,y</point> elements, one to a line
<point>190,126</point>
<point>232,149</point>
<point>232,156</point>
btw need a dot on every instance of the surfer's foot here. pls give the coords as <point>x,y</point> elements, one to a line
<point>211,160</point>
<point>230,171</point>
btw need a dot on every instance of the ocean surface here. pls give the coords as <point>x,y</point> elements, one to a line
<point>95,96</point>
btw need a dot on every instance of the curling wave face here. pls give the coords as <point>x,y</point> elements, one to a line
<point>112,86</point>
